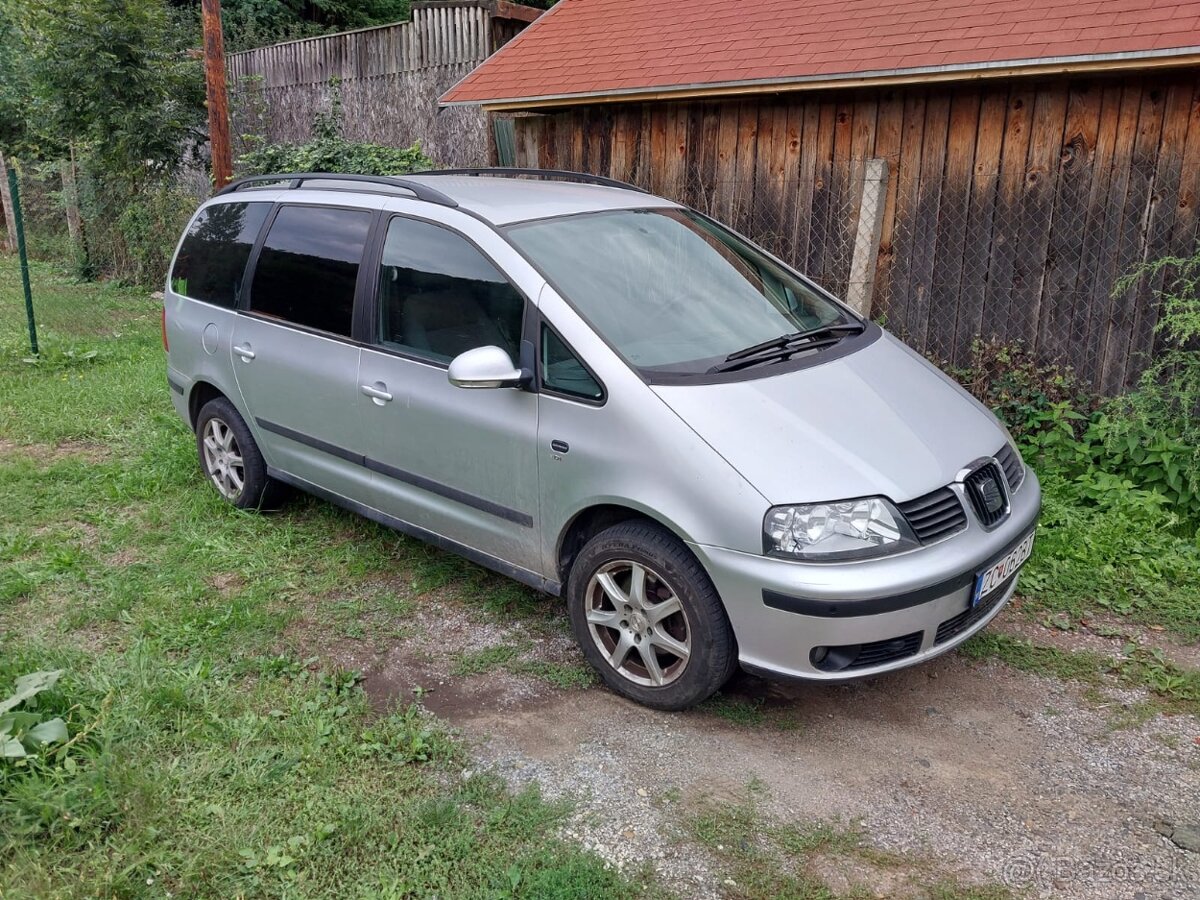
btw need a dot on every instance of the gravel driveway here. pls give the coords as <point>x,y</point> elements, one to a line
<point>995,775</point>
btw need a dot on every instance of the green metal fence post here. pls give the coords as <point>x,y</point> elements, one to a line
<point>19,227</point>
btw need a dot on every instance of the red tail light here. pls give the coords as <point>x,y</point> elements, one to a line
<point>166,347</point>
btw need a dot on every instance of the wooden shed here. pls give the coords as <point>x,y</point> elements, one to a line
<point>959,168</point>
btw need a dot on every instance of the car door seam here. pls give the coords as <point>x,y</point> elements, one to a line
<point>389,471</point>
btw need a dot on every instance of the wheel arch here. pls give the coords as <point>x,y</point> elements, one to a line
<point>594,518</point>
<point>202,391</point>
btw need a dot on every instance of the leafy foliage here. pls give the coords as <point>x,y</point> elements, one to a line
<point>114,83</point>
<point>1029,397</point>
<point>1153,432</point>
<point>254,23</point>
<point>114,78</point>
<point>1121,512</point>
<point>329,151</point>
<point>25,732</point>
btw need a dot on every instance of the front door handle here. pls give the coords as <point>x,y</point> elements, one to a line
<point>244,351</point>
<point>377,392</point>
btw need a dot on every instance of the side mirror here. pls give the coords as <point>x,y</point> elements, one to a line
<point>484,367</point>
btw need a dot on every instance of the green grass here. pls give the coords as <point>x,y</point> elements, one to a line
<point>773,859</point>
<point>1172,689</point>
<point>1123,558</point>
<point>563,675</point>
<point>206,759</point>
<point>736,710</point>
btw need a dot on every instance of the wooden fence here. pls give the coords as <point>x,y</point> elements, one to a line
<point>389,79</point>
<point>1011,208</point>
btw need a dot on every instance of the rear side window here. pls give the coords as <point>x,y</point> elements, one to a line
<point>308,267</point>
<point>212,258</point>
<point>439,296</point>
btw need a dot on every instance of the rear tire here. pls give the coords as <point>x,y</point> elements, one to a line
<point>231,460</point>
<point>648,617</point>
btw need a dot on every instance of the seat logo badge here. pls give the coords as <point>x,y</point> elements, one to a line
<point>992,496</point>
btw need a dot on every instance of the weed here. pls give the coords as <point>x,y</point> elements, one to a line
<point>566,676</point>
<point>742,712</point>
<point>477,662</point>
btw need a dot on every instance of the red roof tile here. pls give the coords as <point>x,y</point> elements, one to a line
<point>599,46</point>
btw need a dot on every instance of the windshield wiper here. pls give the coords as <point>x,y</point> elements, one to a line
<point>787,344</point>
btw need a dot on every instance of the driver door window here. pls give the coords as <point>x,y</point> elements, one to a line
<point>439,296</point>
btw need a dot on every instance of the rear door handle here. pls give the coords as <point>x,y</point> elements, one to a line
<point>377,392</point>
<point>244,351</point>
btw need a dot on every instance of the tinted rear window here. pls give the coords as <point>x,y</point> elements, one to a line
<point>309,265</point>
<point>212,258</point>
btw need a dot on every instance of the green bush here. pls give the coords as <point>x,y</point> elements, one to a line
<point>1120,526</point>
<point>328,151</point>
<point>1030,398</point>
<point>1153,433</point>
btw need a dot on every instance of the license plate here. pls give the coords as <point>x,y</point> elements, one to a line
<point>999,572</point>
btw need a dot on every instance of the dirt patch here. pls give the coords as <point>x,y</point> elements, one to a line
<point>85,534</point>
<point>227,583</point>
<point>124,558</point>
<point>995,775</point>
<point>48,454</point>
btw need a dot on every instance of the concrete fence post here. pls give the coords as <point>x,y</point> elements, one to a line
<point>10,228</point>
<point>861,285</point>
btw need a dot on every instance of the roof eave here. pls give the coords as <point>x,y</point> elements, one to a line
<point>1099,62</point>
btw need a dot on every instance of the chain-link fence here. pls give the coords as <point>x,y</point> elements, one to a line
<point>941,267</point>
<point>89,230</point>
<point>945,269</point>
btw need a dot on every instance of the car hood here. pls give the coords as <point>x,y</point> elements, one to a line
<point>880,420</point>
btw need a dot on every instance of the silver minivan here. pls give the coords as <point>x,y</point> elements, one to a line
<point>607,396</point>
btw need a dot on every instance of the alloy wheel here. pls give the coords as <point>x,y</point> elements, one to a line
<point>223,459</point>
<point>637,622</point>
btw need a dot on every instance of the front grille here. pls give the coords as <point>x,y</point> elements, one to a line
<point>1014,469</point>
<point>877,653</point>
<point>935,515</point>
<point>985,487</point>
<point>952,628</point>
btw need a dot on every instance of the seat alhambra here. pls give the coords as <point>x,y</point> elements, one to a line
<point>610,397</point>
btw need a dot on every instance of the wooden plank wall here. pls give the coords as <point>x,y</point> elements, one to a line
<point>389,79</point>
<point>1012,207</point>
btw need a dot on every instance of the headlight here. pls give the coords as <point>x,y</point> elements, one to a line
<point>848,529</point>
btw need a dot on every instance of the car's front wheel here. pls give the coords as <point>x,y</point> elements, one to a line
<point>230,458</point>
<point>648,618</point>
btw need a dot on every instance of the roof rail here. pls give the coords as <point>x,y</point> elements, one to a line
<point>296,180</point>
<point>564,175</point>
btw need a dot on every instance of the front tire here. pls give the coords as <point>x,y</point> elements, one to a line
<point>648,618</point>
<point>231,460</point>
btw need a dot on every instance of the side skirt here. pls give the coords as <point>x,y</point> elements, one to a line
<point>478,557</point>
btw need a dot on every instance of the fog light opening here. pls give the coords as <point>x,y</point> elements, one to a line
<point>833,659</point>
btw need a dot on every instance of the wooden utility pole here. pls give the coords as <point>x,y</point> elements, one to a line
<point>218,97</point>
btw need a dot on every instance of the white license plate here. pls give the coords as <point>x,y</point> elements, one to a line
<point>999,572</point>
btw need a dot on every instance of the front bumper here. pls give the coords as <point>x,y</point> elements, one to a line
<point>900,610</point>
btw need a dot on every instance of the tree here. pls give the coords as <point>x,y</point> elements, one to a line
<point>114,77</point>
<point>254,23</point>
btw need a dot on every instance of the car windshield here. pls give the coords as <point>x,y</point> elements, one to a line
<point>673,292</point>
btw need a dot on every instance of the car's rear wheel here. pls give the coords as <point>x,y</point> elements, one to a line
<point>648,618</point>
<point>230,458</point>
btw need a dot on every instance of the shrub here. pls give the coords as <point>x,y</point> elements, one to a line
<point>1030,398</point>
<point>329,151</point>
<point>1153,432</point>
